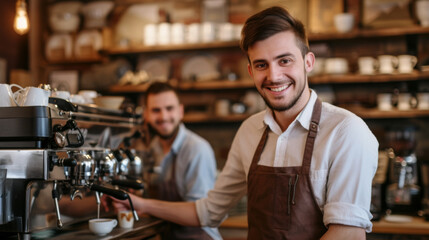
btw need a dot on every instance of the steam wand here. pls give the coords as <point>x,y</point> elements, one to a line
<point>55,196</point>
<point>97,196</point>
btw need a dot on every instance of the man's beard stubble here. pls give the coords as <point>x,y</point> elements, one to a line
<point>154,132</point>
<point>289,106</point>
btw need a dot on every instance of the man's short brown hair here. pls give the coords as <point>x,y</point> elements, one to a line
<point>270,21</point>
<point>159,87</point>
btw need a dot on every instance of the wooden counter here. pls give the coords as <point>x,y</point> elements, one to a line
<point>145,227</point>
<point>416,227</point>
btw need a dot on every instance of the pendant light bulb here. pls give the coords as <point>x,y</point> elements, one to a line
<point>21,23</point>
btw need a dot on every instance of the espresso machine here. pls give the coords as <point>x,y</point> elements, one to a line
<point>46,163</point>
<point>403,191</point>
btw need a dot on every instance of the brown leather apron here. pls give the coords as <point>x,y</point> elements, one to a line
<point>281,203</point>
<point>168,192</point>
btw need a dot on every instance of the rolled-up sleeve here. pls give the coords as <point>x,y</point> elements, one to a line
<point>351,170</point>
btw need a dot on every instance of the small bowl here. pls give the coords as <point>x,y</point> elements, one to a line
<point>109,102</point>
<point>64,16</point>
<point>96,13</point>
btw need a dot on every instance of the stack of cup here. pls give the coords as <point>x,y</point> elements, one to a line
<point>164,33</point>
<point>150,34</point>
<point>177,33</point>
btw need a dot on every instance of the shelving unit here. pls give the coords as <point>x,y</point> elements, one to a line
<point>248,83</point>
<point>169,48</point>
<point>203,118</point>
<point>216,88</point>
<point>91,60</point>
<point>376,78</point>
<point>369,33</point>
<point>209,85</point>
<point>374,113</point>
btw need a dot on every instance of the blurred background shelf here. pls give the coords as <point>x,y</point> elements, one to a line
<point>208,118</point>
<point>373,113</point>
<point>369,33</point>
<point>376,78</point>
<point>207,85</point>
<point>169,48</point>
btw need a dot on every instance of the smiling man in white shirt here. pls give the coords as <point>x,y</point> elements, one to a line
<point>306,166</point>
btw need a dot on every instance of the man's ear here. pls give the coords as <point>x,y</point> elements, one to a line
<point>182,110</point>
<point>249,69</point>
<point>309,61</point>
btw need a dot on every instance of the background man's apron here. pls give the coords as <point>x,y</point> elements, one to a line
<point>281,203</point>
<point>168,192</point>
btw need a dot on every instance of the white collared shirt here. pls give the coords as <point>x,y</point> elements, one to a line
<point>344,162</point>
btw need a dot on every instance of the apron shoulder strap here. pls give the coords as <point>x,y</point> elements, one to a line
<point>259,149</point>
<point>311,136</point>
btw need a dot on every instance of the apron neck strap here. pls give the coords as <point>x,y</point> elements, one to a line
<point>311,136</point>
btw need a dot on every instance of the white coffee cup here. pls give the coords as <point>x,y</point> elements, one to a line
<point>126,219</point>
<point>237,31</point>
<point>226,32</point>
<point>367,65</point>
<point>344,22</point>
<point>164,30</point>
<point>423,101</point>
<point>208,32</point>
<point>336,66</point>
<point>150,34</point>
<point>177,33</point>
<point>406,63</point>
<point>193,33</point>
<point>384,101</point>
<point>6,95</point>
<point>61,94</point>
<point>404,101</point>
<point>31,96</point>
<point>102,226</point>
<point>388,63</point>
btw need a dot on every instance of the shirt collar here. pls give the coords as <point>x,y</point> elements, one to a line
<point>178,141</point>
<point>304,117</point>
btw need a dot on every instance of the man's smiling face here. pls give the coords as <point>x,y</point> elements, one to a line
<point>279,70</point>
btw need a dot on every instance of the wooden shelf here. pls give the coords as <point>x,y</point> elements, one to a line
<point>187,86</point>
<point>361,112</point>
<point>206,118</point>
<point>141,88</point>
<point>169,48</point>
<point>376,78</point>
<point>369,33</point>
<point>216,85</point>
<point>248,83</point>
<point>373,113</point>
<point>416,227</point>
<point>74,61</point>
